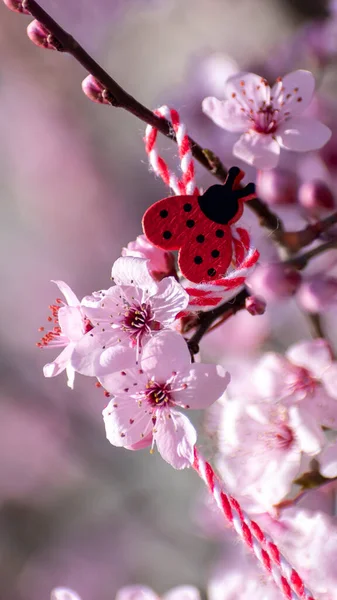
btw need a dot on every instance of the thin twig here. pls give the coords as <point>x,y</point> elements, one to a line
<point>118,97</point>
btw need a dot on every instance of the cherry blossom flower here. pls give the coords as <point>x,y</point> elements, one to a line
<point>259,451</point>
<point>70,325</point>
<point>268,118</point>
<point>160,262</point>
<point>140,592</point>
<point>126,315</point>
<point>328,461</point>
<point>304,379</point>
<point>143,410</point>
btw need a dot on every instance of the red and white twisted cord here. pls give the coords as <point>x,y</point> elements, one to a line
<point>244,255</point>
<point>284,575</point>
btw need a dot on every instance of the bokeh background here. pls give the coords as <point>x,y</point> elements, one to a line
<point>74,184</point>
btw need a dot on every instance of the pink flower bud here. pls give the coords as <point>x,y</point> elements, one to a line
<point>16,6</point>
<point>277,186</point>
<point>40,36</point>
<point>315,195</point>
<point>317,293</point>
<point>161,263</point>
<point>274,281</point>
<point>255,305</point>
<point>94,90</point>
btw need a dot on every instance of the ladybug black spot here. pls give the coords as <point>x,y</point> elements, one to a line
<point>219,233</point>
<point>187,207</point>
<point>200,238</point>
<point>198,260</point>
<point>190,223</point>
<point>215,253</point>
<point>211,272</point>
<point>167,235</point>
<point>163,214</point>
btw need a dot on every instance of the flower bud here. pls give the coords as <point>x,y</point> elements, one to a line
<point>161,263</point>
<point>16,6</point>
<point>317,293</point>
<point>277,186</point>
<point>315,195</point>
<point>40,36</point>
<point>94,90</point>
<point>255,305</point>
<point>274,281</point>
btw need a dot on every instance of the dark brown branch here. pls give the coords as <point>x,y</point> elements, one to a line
<point>206,319</point>
<point>118,97</point>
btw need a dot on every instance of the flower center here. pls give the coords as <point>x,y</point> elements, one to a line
<point>266,119</point>
<point>158,394</point>
<point>138,320</point>
<point>283,437</point>
<point>303,382</point>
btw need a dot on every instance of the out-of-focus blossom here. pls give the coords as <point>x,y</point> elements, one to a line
<point>274,281</point>
<point>237,577</point>
<point>126,315</point>
<point>64,594</point>
<point>70,325</point>
<point>328,461</point>
<point>259,451</point>
<point>269,118</point>
<point>160,262</point>
<point>317,293</point>
<point>140,592</point>
<point>142,412</point>
<point>315,195</point>
<point>300,380</point>
<point>277,186</point>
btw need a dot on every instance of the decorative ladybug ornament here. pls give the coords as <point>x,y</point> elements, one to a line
<point>200,227</point>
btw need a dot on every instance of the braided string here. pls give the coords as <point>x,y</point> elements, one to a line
<point>244,255</point>
<point>274,563</point>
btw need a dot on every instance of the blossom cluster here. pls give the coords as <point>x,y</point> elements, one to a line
<point>125,337</point>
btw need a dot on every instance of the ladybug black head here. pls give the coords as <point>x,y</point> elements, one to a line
<point>220,203</point>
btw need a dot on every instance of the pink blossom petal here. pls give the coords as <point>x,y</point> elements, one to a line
<point>128,270</point>
<point>60,363</point>
<point>314,355</point>
<point>86,358</point>
<point>126,422</point>
<point>71,322</point>
<point>175,438</point>
<point>302,134</point>
<point>205,384</point>
<point>226,114</point>
<point>165,354</point>
<point>183,592</point>
<point>328,461</point>
<point>321,407</point>
<point>136,592</point>
<point>308,432</point>
<point>271,375</point>
<point>329,380</point>
<point>169,300</point>
<point>294,91</point>
<point>61,593</point>
<point>70,376</point>
<point>129,380</point>
<point>248,89</point>
<point>257,149</point>
<point>67,292</point>
<point>103,309</point>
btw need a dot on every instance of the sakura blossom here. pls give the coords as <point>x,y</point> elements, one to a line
<point>304,381</point>
<point>126,315</point>
<point>62,593</point>
<point>146,395</point>
<point>268,118</point>
<point>160,262</point>
<point>70,324</point>
<point>141,592</point>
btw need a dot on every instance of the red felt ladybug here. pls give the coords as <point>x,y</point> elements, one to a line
<point>199,227</point>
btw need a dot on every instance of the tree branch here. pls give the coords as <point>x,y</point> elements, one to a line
<point>118,97</point>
